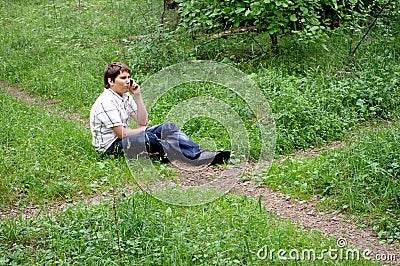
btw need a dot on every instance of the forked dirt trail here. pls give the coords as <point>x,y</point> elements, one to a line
<point>304,214</point>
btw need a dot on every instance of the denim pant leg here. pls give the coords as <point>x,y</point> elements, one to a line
<point>143,145</point>
<point>154,146</point>
<point>116,148</point>
<point>175,142</point>
<point>135,146</point>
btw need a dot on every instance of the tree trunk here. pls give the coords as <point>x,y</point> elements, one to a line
<point>274,41</point>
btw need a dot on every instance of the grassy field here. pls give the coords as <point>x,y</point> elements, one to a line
<point>56,51</point>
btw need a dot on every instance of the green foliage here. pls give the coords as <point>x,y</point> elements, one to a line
<point>307,19</point>
<point>273,16</point>
<point>315,109</point>
<point>363,12</point>
<point>362,178</point>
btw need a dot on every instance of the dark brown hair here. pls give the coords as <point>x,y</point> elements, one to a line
<point>113,70</point>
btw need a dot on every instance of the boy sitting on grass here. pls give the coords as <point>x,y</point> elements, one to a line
<point>121,100</point>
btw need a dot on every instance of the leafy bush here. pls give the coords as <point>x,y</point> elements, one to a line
<point>308,19</point>
<point>275,17</point>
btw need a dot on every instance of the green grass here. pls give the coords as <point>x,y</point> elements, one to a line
<point>141,231</point>
<point>361,179</point>
<point>48,158</point>
<point>57,50</point>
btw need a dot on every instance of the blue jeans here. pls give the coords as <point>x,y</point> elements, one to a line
<point>163,139</point>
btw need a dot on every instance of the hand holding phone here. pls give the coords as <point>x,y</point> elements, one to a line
<point>134,87</point>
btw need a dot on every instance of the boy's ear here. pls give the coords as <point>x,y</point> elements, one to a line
<point>110,81</point>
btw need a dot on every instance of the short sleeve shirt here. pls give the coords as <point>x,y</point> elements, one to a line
<point>109,110</point>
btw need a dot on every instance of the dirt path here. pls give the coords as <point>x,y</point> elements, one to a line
<point>49,105</point>
<point>334,224</point>
<point>304,214</point>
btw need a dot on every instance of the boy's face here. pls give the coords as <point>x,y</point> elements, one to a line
<point>121,83</point>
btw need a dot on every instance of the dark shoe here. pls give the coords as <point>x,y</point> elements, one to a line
<point>212,157</point>
<point>221,157</point>
<point>205,158</point>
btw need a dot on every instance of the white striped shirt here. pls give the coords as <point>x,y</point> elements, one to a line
<point>109,110</point>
